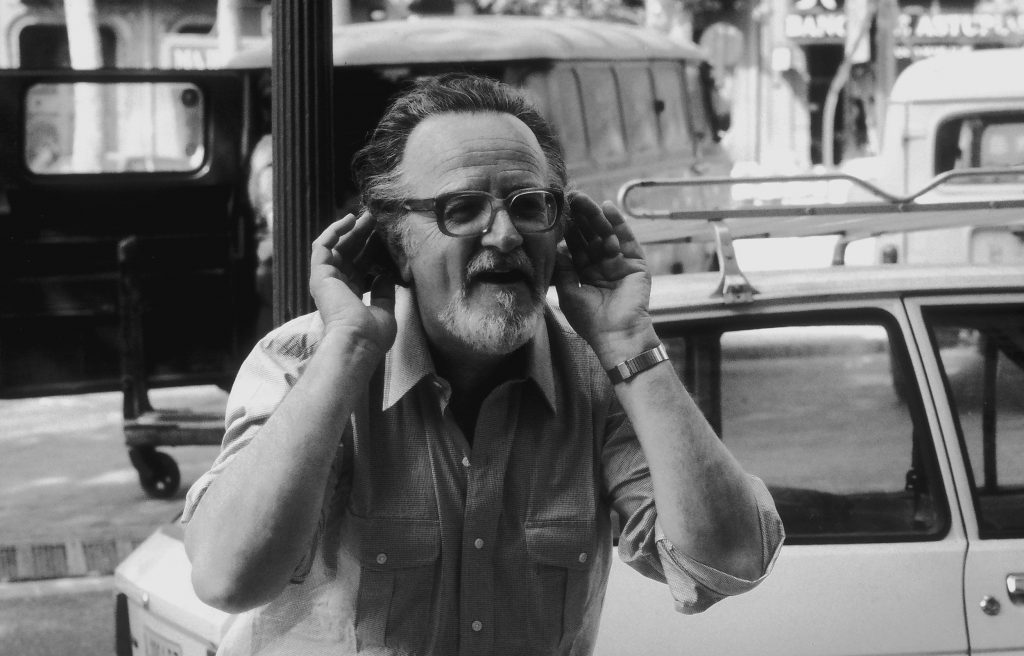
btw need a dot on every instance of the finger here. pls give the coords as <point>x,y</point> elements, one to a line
<point>352,242</point>
<point>627,242</point>
<point>591,217</point>
<point>577,248</point>
<point>330,236</point>
<point>565,275</point>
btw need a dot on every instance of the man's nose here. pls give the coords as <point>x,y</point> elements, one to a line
<point>503,234</point>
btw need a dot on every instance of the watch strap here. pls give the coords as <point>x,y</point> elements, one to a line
<point>625,370</point>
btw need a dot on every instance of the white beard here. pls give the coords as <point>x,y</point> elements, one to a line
<point>500,326</point>
<point>499,331</point>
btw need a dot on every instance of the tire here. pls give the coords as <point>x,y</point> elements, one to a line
<point>158,473</point>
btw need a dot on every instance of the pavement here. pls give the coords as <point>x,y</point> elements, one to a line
<point>70,500</point>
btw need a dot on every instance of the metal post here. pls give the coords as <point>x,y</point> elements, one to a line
<point>301,122</point>
<point>885,58</point>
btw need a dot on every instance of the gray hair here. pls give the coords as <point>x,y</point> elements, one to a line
<point>376,165</point>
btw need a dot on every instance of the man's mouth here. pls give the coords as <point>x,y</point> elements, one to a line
<point>495,277</point>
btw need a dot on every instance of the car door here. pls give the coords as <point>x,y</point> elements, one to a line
<point>823,403</point>
<point>973,351</point>
<point>89,159</point>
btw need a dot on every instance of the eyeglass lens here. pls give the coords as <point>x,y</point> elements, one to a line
<point>530,211</point>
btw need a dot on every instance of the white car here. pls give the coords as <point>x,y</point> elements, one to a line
<point>884,408</point>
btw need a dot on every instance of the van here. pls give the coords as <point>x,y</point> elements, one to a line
<point>957,116</point>
<point>127,241</point>
<point>625,102</point>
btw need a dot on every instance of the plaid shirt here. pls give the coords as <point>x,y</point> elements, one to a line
<point>428,545</point>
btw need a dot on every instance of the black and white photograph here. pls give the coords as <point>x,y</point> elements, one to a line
<point>511,327</point>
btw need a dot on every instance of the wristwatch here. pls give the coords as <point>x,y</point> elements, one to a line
<point>625,370</point>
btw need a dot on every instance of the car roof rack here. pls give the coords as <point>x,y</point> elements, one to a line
<point>726,208</point>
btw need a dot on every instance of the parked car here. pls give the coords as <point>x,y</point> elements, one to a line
<point>882,405</point>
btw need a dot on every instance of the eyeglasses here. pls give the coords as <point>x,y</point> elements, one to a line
<point>471,213</point>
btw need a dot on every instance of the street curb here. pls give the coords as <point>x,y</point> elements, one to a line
<point>58,560</point>
<point>31,589</point>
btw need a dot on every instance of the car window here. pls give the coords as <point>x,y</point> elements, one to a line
<point>638,108</point>
<point>535,88</point>
<point>87,127</point>
<point>982,357</point>
<point>823,414</point>
<point>601,109</point>
<point>567,115</point>
<point>985,140</point>
<point>668,84</point>
<point>695,102</point>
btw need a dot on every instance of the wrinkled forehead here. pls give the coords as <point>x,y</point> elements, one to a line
<point>485,150</point>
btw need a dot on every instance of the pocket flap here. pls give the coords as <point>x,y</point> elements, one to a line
<point>567,543</point>
<point>388,544</point>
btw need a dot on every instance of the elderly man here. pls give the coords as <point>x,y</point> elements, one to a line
<point>435,472</point>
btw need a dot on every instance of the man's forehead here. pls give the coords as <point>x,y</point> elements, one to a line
<point>461,140</point>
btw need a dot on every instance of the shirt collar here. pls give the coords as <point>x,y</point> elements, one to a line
<point>409,360</point>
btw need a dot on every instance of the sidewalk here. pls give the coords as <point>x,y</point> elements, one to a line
<point>70,500</point>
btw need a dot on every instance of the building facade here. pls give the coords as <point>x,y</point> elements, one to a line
<point>133,33</point>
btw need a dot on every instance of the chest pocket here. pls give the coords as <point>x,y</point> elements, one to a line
<point>399,566</point>
<point>561,555</point>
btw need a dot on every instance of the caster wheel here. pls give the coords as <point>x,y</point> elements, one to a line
<point>158,472</point>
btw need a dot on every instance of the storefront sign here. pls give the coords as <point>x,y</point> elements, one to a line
<point>830,27</point>
<point>196,51</point>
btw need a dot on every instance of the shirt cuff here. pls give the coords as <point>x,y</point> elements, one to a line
<point>695,586</point>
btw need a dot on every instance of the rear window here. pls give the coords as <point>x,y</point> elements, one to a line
<point>981,352</point>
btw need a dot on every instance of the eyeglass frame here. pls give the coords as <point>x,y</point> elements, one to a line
<point>437,203</point>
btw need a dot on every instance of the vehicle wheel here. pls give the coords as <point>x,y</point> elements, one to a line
<point>158,472</point>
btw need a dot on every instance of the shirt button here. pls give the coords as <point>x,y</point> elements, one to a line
<point>477,625</point>
<point>382,558</point>
<point>465,461</point>
<point>583,557</point>
<point>478,543</point>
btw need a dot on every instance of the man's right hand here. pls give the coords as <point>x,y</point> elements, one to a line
<point>336,283</point>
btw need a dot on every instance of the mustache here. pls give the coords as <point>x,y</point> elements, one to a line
<point>490,260</point>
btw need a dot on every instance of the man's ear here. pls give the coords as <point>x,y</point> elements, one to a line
<point>402,264</point>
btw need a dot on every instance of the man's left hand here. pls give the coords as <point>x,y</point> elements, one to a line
<point>603,282</point>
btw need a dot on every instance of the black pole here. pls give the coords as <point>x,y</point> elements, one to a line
<point>301,119</point>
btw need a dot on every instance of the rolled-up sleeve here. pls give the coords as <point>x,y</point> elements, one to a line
<point>694,585</point>
<point>263,380</point>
